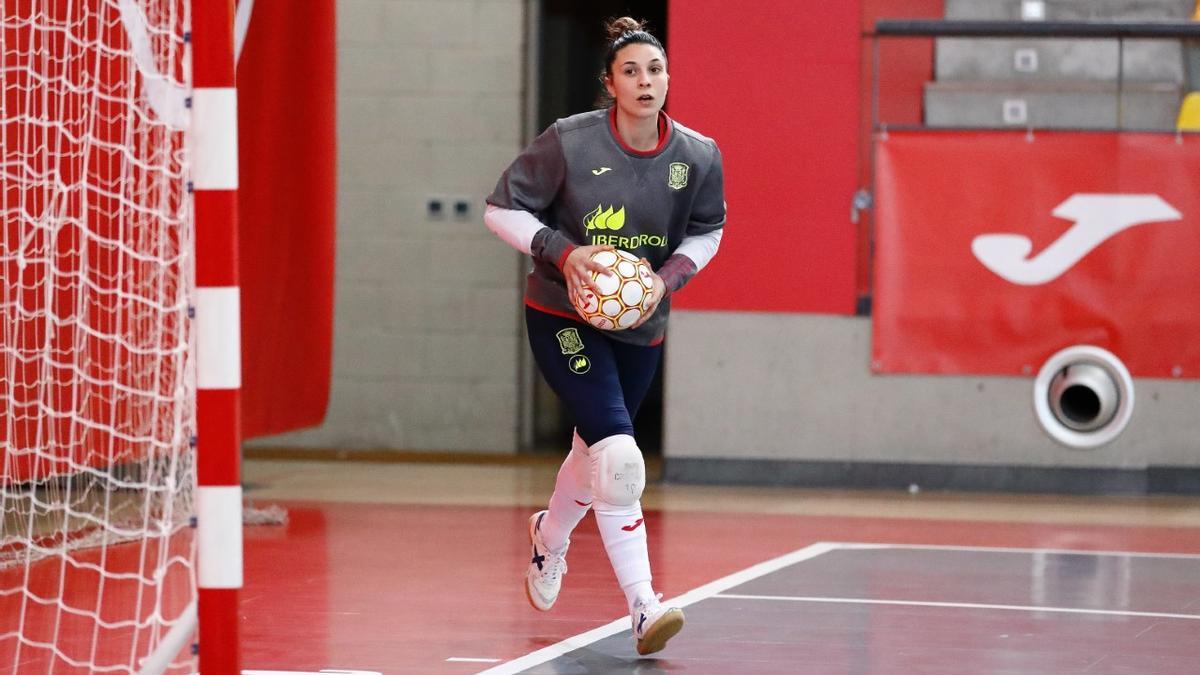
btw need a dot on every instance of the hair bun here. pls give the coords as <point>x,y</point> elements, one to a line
<point>622,25</point>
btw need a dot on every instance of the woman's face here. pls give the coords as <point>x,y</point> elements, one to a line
<point>638,80</point>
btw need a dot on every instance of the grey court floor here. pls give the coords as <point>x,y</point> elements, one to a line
<point>865,608</point>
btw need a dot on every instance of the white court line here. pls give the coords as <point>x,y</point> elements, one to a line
<point>962,605</point>
<point>467,659</point>
<point>695,595</point>
<point>1005,549</point>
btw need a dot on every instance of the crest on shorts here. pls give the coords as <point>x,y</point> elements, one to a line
<point>677,175</point>
<point>569,341</point>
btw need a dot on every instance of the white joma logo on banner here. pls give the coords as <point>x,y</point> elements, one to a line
<point>1097,218</point>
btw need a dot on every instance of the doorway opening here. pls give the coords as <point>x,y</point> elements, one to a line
<point>568,40</point>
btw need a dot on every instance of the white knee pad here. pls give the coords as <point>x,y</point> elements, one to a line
<point>618,470</point>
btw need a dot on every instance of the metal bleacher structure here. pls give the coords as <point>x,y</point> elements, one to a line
<point>1063,64</point>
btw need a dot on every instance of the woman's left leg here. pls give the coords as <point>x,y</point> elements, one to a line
<point>624,528</point>
<point>620,520</point>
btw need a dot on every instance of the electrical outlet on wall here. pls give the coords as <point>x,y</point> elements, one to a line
<point>1015,111</point>
<point>461,207</point>
<point>435,207</point>
<point>1025,60</point>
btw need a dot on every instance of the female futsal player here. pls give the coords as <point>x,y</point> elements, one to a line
<point>625,177</point>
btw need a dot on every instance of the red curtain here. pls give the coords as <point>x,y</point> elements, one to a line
<point>997,249</point>
<point>286,141</point>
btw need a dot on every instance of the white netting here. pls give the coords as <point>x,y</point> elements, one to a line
<point>96,394</point>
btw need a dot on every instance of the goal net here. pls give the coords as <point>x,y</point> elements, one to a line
<point>97,394</point>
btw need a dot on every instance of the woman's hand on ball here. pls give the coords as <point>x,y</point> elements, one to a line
<point>659,290</point>
<point>578,266</point>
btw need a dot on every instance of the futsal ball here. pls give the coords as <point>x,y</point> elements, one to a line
<point>625,295</point>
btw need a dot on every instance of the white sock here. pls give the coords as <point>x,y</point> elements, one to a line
<point>571,499</point>
<point>623,531</point>
<point>638,592</point>
<point>622,528</point>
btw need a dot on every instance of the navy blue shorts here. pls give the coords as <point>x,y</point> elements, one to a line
<point>602,382</point>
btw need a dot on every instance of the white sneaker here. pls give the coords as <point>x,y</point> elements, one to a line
<point>654,624</point>
<point>543,579</point>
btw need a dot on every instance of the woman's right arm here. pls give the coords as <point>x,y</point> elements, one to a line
<point>527,234</point>
<point>517,228</point>
<point>528,186</point>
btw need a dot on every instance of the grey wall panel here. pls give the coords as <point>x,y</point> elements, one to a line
<point>1067,105</point>
<point>1073,10</point>
<point>798,387</point>
<point>1049,59</point>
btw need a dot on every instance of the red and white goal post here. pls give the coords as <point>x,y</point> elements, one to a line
<point>120,497</point>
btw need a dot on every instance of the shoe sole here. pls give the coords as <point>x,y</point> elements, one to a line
<point>528,590</point>
<point>667,626</point>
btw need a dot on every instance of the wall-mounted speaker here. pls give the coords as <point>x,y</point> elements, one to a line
<point>1083,396</point>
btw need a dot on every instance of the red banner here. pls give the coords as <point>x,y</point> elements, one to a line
<point>997,249</point>
<point>286,199</point>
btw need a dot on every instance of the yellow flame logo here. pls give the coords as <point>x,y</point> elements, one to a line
<point>602,218</point>
<point>580,364</point>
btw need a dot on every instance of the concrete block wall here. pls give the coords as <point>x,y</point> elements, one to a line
<point>427,332</point>
<point>1059,83</point>
<point>1006,59</point>
<point>1073,10</point>
<point>1070,105</point>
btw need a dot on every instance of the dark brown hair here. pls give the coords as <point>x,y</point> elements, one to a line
<point>622,32</point>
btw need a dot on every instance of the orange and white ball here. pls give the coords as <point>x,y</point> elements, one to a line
<point>625,295</point>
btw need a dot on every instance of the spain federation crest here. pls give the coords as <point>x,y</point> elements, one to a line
<point>569,341</point>
<point>677,175</point>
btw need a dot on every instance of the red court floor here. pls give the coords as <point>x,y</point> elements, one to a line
<point>417,568</point>
<point>403,588</point>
